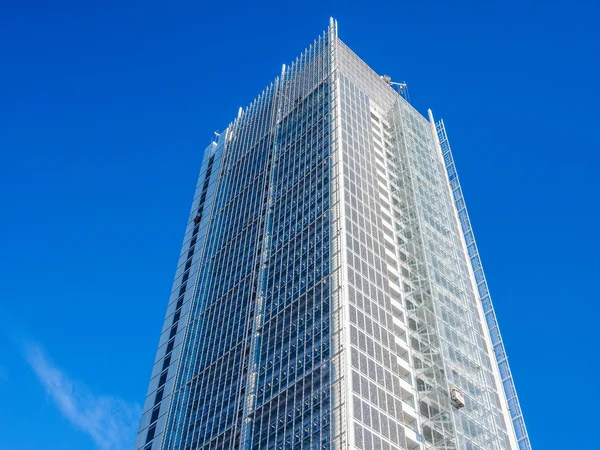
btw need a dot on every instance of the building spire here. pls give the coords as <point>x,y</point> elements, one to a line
<point>333,26</point>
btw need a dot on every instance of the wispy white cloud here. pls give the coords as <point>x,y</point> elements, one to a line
<point>110,421</point>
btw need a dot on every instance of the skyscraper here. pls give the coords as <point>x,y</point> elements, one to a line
<point>329,292</point>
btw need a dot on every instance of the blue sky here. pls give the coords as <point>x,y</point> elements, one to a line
<point>105,109</point>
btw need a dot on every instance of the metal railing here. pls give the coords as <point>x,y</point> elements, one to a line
<point>484,294</point>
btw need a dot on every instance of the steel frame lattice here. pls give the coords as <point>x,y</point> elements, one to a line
<point>432,385</point>
<point>324,297</point>
<point>483,292</point>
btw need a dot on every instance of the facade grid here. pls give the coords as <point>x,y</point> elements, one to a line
<point>327,294</point>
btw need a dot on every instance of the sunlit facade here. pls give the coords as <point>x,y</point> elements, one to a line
<point>329,292</point>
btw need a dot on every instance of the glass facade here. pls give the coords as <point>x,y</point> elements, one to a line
<point>324,296</point>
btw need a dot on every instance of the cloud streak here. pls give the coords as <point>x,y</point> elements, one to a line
<point>110,421</point>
